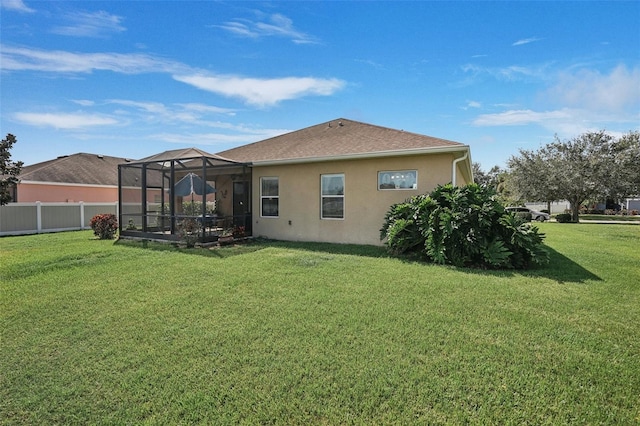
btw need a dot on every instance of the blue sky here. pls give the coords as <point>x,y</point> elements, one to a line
<point>134,78</point>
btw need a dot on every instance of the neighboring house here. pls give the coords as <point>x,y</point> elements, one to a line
<point>332,182</point>
<point>79,177</point>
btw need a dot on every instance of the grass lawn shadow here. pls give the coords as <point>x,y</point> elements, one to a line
<point>560,268</point>
<point>250,246</point>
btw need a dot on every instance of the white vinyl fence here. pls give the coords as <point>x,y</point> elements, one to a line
<point>36,218</point>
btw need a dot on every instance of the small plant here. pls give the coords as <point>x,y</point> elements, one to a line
<point>104,225</point>
<point>189,231</point>
<point>131,226</point>
<point>563,217</point>
<point>238,232</point>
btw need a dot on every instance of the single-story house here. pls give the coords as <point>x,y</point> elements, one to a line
<point>79,177</point>
<point>332,182</point>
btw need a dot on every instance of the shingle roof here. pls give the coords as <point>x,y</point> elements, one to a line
<point>81,168</point>
<point>340,137</point>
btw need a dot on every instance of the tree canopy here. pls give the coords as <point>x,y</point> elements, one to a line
<point>592,166</point>
<point>9,170</point>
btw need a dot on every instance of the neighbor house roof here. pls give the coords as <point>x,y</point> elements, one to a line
<point>81,168</point>
<point>340,138</point>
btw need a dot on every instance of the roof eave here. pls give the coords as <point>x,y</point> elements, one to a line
<point>365,155</point>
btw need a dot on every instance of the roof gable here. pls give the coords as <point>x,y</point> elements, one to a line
<point>336,138</point>
<point>81,168</point>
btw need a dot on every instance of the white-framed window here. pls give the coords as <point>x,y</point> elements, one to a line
<point>397,179</point>
<point>269,197</point>
<point>332,196</point>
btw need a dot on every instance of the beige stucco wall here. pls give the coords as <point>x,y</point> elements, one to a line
<point>52,193</point>
<point>364,205</point>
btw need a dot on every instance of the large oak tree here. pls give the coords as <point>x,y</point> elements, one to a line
<point>594,165</point>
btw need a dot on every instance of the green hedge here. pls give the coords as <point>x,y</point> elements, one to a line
<point>564,218</point>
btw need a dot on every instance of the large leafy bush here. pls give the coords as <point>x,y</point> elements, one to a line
<point>463,226</point>
<point>104,225</point>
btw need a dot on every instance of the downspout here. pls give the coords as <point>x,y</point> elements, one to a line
<point>454,167</point>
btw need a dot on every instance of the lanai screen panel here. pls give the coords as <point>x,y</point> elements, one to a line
<point>131,195</point>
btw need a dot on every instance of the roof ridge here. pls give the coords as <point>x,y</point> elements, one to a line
<point>289,133</point>
<point>400,131</point>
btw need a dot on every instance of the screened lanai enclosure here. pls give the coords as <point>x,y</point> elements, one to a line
<point>184,195</point>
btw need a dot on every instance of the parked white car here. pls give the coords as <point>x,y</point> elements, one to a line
<point>529,214</point>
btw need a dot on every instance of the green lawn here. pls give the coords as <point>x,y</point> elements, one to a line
<point>97,332</point>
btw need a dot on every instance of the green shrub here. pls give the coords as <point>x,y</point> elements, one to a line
<point>464,226</point>
<point>104,225</point>
<point>564,218</point>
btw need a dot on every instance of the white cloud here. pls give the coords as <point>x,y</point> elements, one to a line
<point>90,24</point>
<point>519,117</point>
<point>208,109</point>
<point>565,122</point>
<point>192,113</point>
<point>150,107</point>
<point>276,25</point>
<point>596,91</point>
<point>509,73</point>
<point>263,91</point>
<point>578,101</point>
<point>371,63</point>
<point>16,5</point>
<point>28,59</point>
<point>67,121</point>
<point>526,41</point>
<point>254,91</point>
<point>225,139</point>
<point>83,102</point>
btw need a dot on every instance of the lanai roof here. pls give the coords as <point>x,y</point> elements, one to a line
<point>183,154</point>
<point>338,138</point>
<point>80,168</point>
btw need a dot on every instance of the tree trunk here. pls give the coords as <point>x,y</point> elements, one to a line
<point>575,208</point>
